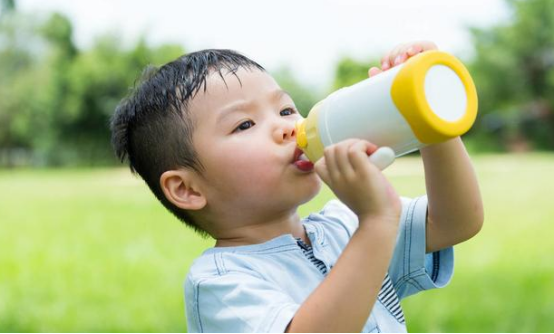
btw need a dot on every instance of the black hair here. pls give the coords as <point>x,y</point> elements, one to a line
<point>152,127</point>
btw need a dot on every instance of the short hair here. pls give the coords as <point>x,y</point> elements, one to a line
<point>152,128</point>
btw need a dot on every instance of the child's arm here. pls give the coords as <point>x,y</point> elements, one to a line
<point>343,302</point>
<point>455,211</point>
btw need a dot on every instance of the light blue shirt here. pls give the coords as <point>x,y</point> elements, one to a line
<point>259,288</point>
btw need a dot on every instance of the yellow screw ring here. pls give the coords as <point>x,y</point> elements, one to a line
<point>408,94</point>
<point>307,135</point>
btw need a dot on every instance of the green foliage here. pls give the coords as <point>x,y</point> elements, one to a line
<point>513,70</point>
<point>17,65</point>
<point>56,100</point>
<point>302,96</point>
<point>6,6</point>
<point>58,31</point>
<point>350,71</point>
<point>514,74</point>
<point>95,81</point>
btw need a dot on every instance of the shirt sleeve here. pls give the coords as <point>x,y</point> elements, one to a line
<point>237,303</point>
<point>411,269</point>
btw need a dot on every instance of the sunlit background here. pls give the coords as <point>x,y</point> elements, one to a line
<point>84,246</point>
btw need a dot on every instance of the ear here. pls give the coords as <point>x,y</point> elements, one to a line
<point>182,189</point>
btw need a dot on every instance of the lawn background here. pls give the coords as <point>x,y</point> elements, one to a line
<point>93,251</point>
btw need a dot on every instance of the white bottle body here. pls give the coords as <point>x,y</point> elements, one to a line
<point>366,111</point>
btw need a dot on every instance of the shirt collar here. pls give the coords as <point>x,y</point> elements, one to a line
<point>284,242</point>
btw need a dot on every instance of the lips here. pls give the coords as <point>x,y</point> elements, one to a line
<point>301,161</point>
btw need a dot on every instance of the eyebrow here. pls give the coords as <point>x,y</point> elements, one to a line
<point>276,95</point>
<point>279,93</point>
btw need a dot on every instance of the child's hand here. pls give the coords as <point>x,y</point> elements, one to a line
<point>347,170</point>
<point>400,54</point>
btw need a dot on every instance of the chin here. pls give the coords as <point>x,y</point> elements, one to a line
<point>309,191</point>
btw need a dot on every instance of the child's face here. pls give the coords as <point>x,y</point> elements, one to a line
<point>245,139</point>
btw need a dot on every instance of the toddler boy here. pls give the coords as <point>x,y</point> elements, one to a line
<point>213,136</point>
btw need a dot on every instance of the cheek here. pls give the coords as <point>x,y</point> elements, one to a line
<point>250,168</point>
<point>255,167</point>
<point>248,158</point>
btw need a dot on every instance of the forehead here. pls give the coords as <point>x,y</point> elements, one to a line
<point>226,88</point>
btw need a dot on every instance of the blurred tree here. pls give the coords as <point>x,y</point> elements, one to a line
<point>17,67</point>
<point>6,7</point>
<point>514,73</point>
<point>350,71</point>
<point>55,100</point>
<point>57,58</point>
<point>98,79</point>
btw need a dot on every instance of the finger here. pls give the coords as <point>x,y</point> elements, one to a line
<point>358,155</point>
<point>427,45</point>
<point>391,58</point>
<point>343,162</point>
<point>373,71</point>
<point>330,161</point>
<point>414,49</point>
<point>402,57</point>
<point>396,51</point>
<point>320,168</point>
<point>385,64</point>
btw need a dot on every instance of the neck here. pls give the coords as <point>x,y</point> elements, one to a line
<point>260,232</point>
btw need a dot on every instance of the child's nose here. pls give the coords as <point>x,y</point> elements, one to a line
<point>285,132</point>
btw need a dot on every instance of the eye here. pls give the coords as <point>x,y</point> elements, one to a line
<point>287,112</point>
<point>244,126</point>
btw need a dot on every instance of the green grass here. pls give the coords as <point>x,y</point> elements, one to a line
<point>92,250</point>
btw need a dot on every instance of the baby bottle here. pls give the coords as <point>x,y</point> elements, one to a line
<point>426,100</point>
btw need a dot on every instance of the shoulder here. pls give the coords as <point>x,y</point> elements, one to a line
<point>213,265</point>
<point>223,296</point>
<point>250,260</point>
<point>203,267</point>
<point>219,296</point>
<point>215,274</point>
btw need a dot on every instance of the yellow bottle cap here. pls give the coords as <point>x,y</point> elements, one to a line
<point>409,95</point>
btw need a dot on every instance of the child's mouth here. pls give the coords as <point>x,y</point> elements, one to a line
<point>301,161</point>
